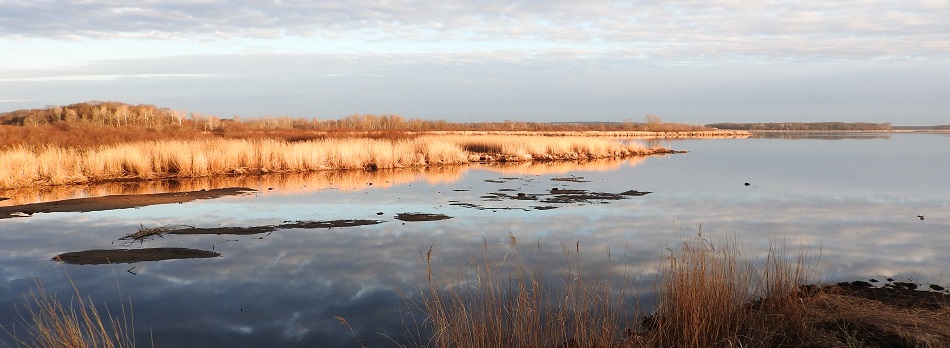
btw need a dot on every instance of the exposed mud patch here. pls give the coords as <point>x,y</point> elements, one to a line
<point>102,257</point>
<point>635,193</point>
<point>571,179</point>
<point>553,199</point>
<point>421,217</point>
<point>271,228</point>
<point>544,207</point>
<point>118,202</point>
<point>225,230</point>
<point>329,224</point>
<point>898,294</point>
<point>584,197</point>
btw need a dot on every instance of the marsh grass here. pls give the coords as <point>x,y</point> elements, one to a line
<point>839,320</point>
<point>710,295</point>
<point>76,323</point>
<point>23,166</point>
<point>508,303</point>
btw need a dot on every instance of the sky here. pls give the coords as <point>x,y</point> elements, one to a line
<point>542,61</point>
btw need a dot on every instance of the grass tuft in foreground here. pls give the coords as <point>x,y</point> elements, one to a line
<point>507,303</point>
<point>74,324</point>
<point>709,296</point>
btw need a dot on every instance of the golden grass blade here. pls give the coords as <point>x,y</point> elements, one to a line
<point>49,165</point>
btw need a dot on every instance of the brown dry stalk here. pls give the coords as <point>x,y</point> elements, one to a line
<point>505,303</point>
<point>78,325</point>
<point>709,296</point>
<point>49,165</point>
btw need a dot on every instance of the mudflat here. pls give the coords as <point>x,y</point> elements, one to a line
<point>103,257</point>
<point>118,202</point>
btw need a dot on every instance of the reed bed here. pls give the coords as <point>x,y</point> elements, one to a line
<point>37,166</point>
<point>709,296</point>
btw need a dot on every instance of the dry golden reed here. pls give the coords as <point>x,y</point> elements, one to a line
<point>32,166</point>
<point>51,323</point>
<point>709,296</point>
<point>505,302</point>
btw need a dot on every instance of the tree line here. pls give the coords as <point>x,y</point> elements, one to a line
<point>117,114</point>
<point>804,126</point>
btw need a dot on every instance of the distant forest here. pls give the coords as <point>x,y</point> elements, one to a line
<point>102,123</point>
<point>805,126</point>
<point>118,114</point>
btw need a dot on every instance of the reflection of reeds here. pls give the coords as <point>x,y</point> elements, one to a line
<point>307,181</point>
<point>24,167</point>
<point>708,297</point>
<point>80,324</point>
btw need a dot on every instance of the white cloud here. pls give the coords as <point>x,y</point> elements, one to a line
<point>718,30</point>
<point>699,61</point>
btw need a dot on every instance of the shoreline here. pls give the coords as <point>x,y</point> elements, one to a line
<point>52,166</point>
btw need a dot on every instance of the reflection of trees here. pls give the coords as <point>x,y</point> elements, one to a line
<point>804,126</point>
<point>310,181</point>
<point>822,135</point>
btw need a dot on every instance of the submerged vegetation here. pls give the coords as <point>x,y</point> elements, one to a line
<point>31,166</point>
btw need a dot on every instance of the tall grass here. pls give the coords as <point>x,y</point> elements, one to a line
<point>31,166</point>
<point>508,303</point>
<point>77,323</point>
<point>710,295</point>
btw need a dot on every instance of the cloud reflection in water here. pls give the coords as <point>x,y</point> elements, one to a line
<point>285,288</point>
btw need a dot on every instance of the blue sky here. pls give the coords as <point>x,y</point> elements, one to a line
<point>686,61</point>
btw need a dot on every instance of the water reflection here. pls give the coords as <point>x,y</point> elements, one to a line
<point>114,202</point>
<point>824,135</point>
<point>345,180</point>
<point>285,288</point>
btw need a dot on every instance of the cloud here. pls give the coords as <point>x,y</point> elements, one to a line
<point>684,30</point>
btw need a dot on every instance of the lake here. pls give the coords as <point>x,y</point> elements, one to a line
<point>853,201</point>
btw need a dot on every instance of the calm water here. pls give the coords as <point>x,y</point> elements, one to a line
<point>855,200</point>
